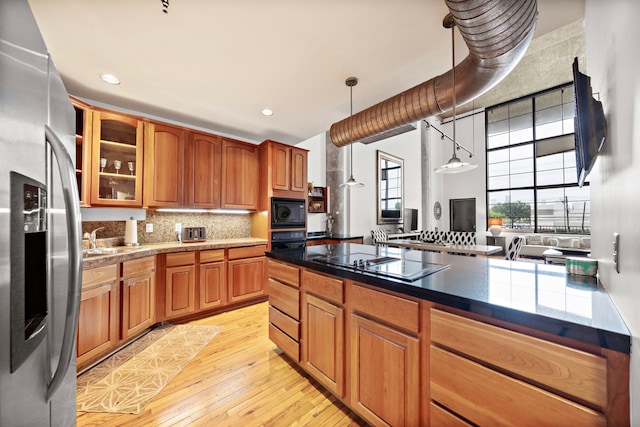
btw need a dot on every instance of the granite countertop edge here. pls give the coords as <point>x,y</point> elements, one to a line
<point>614,339</point>
<point>169,247</point>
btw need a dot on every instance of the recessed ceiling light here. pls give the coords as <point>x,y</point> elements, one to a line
<point>109,78</point>
<point>267,112</point>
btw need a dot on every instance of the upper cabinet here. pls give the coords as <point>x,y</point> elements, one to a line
<point>129,161</point>
<point>239,175</point>
<point>116,166</point>
<point>203,171</point>
<point>83,150</point>
<point>288,168</point>
<point>164,149</point>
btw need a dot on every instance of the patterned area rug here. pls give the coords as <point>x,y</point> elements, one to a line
<point>127,381</point>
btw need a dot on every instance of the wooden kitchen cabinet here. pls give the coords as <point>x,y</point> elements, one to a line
<point>203,171</point>
<point>98,317</point>
<point>566,382</point>
<point>138,296</point>
<point>213,279</point>
<point>246,270</point>
<point>164,148</point>
<point>240,171</point>
<point>83,150</point>
<point>384,333</point>
<point>117,142</point>
<point>284,307</point>
<point>288,167</point>
<point>323,341</point>
<point>180,282</point>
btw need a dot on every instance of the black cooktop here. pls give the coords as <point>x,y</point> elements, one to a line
<point>388,266</point>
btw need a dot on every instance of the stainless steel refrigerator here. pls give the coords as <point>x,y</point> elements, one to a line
<point>40,230</point>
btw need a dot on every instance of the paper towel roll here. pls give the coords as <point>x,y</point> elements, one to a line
<point>131,232</point>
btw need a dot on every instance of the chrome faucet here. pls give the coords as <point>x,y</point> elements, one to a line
<point>92,237</point>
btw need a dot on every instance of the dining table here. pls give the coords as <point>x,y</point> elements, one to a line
<point>473,250</point>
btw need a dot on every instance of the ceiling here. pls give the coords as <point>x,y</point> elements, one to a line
<point>216,64</point>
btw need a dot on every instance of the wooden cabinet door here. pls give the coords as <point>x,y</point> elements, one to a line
<point>179,290</point>
<point>83,150</point>
<point>203,171</point>
<point>246,278</point>
<point>298,170</point>
<point>323,342</point>
<point>384,374</point>
<point>239,175</point>
<point>117,139</point>
<point>97,322</point>
<point>280,167</point>
<point>163,166</point>
<point>213,289</point>
<point>138,302</point>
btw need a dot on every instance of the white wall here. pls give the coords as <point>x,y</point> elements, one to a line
<point>363,214</point>
<point>612,36</point>
<point>316,173</point>
<point>362,201</point>
<point>470,134</point>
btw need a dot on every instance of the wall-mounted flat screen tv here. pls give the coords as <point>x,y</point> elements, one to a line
<point>590,125</point>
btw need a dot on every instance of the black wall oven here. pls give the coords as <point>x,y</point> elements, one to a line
<point>288,213</point>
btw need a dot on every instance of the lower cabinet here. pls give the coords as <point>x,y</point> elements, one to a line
<point>213,279</point>
<point>284,307</point>
<point>138,296</point>
<point>323,330</point>
<point>566,382</point>
<point>246,271</point>
<point>98,317</point>
<point>385,357</point>
<point>180,284</point>
<point>324,342</point>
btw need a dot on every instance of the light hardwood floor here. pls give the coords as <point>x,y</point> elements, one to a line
<point>239,379</point>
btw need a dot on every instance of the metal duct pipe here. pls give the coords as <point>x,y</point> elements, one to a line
<point>497,33</point>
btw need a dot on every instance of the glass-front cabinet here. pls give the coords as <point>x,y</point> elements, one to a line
<point>116,160</point>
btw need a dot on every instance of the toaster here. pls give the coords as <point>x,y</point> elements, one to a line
<point>193,234</point>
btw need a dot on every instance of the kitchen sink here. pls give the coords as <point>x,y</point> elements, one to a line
<point>90,253</point>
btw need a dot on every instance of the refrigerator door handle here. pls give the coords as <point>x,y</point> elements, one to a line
<point>74,235</point>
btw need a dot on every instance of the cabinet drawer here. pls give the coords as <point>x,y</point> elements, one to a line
<point>323,286</point>
<point>285,298</point>
<point>486,397</point>
<point>441,417</point>
<point>247,252</point>
<point>561,368</point>
<point>284,342</point>
<point>181,258</point>
<point>137,266</point>
<point>284,273</point>
<point>394,310</point>
<point>212,255</point>
<point>99,275</point>
<point>285,323</point>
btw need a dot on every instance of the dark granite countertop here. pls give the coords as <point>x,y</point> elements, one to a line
<point>317,235</point>
<point>538,296</point>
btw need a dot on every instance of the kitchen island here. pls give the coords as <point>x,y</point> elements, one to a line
<point>476,340</point>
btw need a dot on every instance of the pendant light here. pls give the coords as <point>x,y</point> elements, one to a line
<point>351,182</point>
<point>454,165</point>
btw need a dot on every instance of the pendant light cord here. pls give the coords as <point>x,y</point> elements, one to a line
<point>453,70</point>
<point>351,129</point>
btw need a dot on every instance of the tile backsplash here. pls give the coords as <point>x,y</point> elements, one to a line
<point>218,226</point>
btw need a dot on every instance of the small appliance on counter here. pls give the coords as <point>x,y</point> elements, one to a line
<point>193,234</point>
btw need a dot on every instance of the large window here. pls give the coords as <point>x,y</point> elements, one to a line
<point>531,165</point>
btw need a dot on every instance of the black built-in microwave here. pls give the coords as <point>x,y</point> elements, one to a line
<point>288,213</point>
